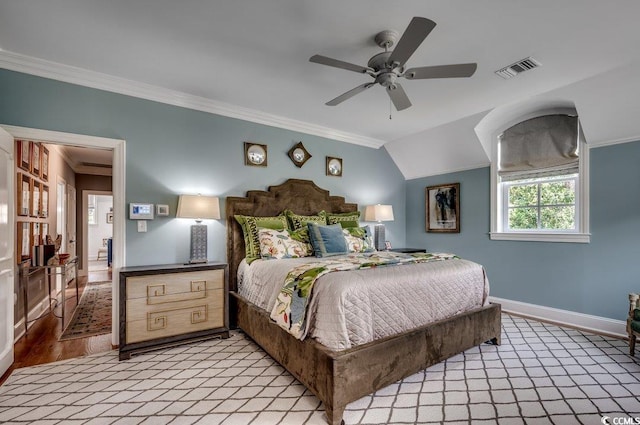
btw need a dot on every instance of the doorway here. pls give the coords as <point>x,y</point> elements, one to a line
<point>118,188</point>
<point>97,207</point>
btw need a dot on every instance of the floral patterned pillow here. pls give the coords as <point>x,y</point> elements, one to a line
<point>358,239</point>
<point>277,244</point>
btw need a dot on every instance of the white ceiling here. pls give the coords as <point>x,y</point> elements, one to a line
<point>251,58</point>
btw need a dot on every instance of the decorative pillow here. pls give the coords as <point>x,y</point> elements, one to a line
<point>358,239</point>
<point>250,227</point>
<point>327,240</point>
<point>297,221</point>
<point>350,219</point>
<point>277,244</point>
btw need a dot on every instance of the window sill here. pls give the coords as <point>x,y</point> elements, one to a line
<point>542,237</point>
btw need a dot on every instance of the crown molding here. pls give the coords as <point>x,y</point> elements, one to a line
<point>83,77</point>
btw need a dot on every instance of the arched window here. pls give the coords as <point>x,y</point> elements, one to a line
<point>540,181</point>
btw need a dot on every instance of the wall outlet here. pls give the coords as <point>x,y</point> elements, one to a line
<point>142,226</point>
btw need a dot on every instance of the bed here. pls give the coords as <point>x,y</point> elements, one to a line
<point>339,377</point>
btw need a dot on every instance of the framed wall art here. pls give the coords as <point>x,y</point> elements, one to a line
<point>23,237</point>
<point>35,159</point>
<point>334,166</point>
<point>24,155</point>
<point>36,236</point>
<point>443,208</point>
<point>23,194</point>
<point>45,164</point>
<point>44,202</point>
<point>35,198</point>
<point>299,154</point>
<point>255,154</point>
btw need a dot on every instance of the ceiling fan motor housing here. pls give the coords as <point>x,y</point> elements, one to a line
<point>386,74</point>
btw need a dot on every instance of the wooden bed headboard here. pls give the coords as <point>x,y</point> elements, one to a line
<point>300,196</point>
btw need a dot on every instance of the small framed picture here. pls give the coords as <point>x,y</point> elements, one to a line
<point>44,172</point>
<point>109,218</point>
<point>162,210</point>
<point>24,194</point>
<point>443,208</point>
<point>334,166</point>
<point>24,154</point>
<point>255,154</point>
<point>35,159</point>
<point>387,245</point>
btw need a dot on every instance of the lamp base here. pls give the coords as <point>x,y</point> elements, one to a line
<point>379,236</point>
<point>198,244</point>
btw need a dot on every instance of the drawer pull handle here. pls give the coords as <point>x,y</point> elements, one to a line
<point>156,322</point>
<point>156,290</point>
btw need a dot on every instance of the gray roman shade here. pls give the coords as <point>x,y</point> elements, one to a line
<point>540,147</point>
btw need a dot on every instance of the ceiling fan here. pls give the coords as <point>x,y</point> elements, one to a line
<point>387,67</point>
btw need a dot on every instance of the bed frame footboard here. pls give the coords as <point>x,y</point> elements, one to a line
<point>338,378</point>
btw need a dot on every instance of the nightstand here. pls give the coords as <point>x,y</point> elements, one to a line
<point>408,250</point>
<point>166,305</point>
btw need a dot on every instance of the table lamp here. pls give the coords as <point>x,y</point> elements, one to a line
<point>379,213</point>
<point>198,207</point>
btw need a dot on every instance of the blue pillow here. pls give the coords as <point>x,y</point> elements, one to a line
<point>327,240</point>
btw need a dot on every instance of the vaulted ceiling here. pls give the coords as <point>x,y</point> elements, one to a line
<point>250,59</point>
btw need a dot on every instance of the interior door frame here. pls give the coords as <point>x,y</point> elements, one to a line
<point>9,261</point>
<point>118,189</point>
<point>84,271</point>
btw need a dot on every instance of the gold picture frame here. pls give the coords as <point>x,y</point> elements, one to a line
<point>36,164</point>
<point>45,164</point>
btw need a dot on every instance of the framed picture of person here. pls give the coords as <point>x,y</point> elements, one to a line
<point>443,208</point>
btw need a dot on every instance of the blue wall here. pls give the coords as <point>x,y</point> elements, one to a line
<point>172,150</point>
<point>592,278</point>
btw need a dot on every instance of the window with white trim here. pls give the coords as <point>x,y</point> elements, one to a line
<point>541,181</point>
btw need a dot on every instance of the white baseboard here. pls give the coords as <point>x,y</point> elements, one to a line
<point>572,319</point>
<point>36,311</point>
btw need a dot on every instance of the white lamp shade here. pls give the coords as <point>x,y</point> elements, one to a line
<point>378,213</point>
<point>198,207</point>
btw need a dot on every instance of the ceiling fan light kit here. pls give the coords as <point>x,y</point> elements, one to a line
<point>388,66</point>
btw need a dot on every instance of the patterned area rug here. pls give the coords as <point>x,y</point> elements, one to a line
<point>93,315</point>
<point>540,375</point>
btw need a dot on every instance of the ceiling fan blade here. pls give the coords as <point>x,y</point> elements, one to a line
<point>441,71</point>
<point>418,29</point>
<point>349,94</point>
<point>323,60</point>
<point>398,97</point>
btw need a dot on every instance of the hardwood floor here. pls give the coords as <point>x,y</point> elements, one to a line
<point>41,344</point>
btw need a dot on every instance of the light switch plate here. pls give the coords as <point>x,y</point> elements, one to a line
<point>142,226</point>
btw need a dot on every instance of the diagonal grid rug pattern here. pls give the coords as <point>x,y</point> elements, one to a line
<point>541,374</point>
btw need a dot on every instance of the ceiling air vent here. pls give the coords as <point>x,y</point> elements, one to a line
<point>518,67</point>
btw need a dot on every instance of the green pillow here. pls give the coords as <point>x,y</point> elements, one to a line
<point>346,220</point>
<point>250,226</point>
<point>297,221</point>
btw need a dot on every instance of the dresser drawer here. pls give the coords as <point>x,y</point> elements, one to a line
<point>169,288</point>
<point>146,322</point>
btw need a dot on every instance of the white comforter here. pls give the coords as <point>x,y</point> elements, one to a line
<point>350,308</point>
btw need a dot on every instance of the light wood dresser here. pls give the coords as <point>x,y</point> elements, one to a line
<point>165,305</point>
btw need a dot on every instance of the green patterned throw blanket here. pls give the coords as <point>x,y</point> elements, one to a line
<point>290,309</point>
